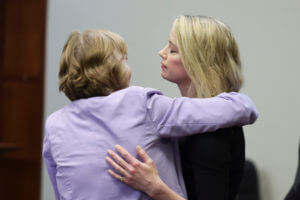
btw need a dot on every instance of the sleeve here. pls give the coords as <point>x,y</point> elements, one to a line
<point>50,163</point>
<point>176,117</point>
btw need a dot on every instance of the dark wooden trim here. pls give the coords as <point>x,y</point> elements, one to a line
<point>22,37</point>
<point>2,32</point>
<point>7,147</point>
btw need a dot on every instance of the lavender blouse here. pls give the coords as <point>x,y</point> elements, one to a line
<point>78,136</point>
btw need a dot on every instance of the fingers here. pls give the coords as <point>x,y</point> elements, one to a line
<point>117,167</point>
<point>143,154</point>
<point>117,176</point>
<point>113,174</point>
<point>118,160</point>
<point>130,159</point>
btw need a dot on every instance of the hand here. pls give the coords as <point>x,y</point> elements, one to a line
<point>139,175</point>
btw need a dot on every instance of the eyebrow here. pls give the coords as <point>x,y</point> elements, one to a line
<point>170,42</point>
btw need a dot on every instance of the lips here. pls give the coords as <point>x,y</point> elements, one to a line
<point>163,67</point>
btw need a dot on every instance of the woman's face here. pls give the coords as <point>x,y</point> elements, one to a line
<point>171,66</point>
<point>124,59</point>
<point>128,69</point>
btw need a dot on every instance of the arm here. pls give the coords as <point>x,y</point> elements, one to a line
<point>142,176</point>
<point>185,116</point>
<point>50,164</point>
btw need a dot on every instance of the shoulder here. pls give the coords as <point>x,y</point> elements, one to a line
<point>138,91</point>
<point>143,89</point>
<point>52,119</point>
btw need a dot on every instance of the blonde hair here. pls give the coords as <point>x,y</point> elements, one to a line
<point>209,54</point>
<point>91,64</point>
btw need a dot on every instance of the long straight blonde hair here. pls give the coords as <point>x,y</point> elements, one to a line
<point>209,54</point>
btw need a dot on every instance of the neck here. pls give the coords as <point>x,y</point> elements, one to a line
<point>184,88</point>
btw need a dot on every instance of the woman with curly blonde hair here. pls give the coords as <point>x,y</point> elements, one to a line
<point>202,58</point>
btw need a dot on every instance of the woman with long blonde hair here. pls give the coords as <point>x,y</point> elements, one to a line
<point>202,58</point>
<point>105,111</point>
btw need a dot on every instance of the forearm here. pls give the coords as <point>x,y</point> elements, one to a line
<point>186,116</point>
<point>163,192</point>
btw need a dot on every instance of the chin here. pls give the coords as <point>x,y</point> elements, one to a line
<point>167,79</point>
<point>164,76</point>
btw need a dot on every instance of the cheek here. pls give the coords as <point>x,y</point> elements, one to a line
<point>176,72</point>
<point>128,70</point>
<point>175,62</point>
<point>177,66</point>
<point>129,74</point>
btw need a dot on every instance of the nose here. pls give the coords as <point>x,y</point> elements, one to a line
<point>162,53</point>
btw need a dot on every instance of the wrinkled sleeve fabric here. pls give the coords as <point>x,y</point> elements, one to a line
<point>176,117</point>
<point>50,163</point>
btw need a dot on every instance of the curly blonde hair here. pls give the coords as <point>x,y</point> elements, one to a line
<point>91,64</point>
<point>209,54</point>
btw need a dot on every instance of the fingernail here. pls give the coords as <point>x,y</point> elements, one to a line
<point>117,147</point>
<point>138,147</point>
<point>109,151</point>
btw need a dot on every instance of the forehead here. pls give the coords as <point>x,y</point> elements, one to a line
<point>172,40</point>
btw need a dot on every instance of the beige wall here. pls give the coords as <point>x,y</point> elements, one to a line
<point>268,34</point>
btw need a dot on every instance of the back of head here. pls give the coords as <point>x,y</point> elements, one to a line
<point>91,64</point>
<point>209,54</point>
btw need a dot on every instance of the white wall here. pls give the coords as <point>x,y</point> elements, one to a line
<point>267,32</point>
